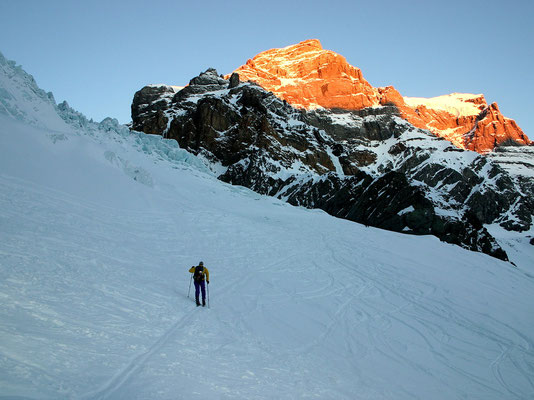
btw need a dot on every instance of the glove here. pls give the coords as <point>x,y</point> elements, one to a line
<point>208,282</point>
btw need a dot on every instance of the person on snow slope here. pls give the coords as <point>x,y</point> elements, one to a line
<point>200,276</point>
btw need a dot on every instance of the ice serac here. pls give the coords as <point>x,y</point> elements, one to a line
<point>308,76</point>
<point>23,100</point>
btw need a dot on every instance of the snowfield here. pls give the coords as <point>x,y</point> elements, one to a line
<point>94,290</point>
<point>99,226</point>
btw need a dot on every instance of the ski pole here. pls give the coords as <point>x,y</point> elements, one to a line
<point>190,280</point>
<point>208,295</point>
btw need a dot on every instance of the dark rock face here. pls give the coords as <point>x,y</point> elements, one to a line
<point>148,106</point>
<point>208,80</point>
<point>234,80</point>
<point>368,166</point>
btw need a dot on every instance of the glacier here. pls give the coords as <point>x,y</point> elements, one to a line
<point>99,225</point>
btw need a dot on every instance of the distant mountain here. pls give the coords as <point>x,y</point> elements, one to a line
<point>370,165</point>
<point>307,76</point>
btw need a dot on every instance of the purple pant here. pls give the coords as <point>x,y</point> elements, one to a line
<point>200,285</point>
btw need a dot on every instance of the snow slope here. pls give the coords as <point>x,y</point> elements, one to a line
<point>98,228</point>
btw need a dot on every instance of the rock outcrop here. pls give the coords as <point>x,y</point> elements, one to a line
<point>307,76</point>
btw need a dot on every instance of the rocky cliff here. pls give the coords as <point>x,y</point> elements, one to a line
<point>308,76</point>
<point>370,165</point>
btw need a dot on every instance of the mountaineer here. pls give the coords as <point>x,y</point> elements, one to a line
<point>200,275</point>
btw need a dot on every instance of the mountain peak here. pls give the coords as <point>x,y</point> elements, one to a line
<point>308,76</point>
<point>310,43</point>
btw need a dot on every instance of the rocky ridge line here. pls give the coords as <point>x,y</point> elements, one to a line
<point>307,76</point>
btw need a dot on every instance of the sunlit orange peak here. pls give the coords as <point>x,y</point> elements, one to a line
<point>308,76</point>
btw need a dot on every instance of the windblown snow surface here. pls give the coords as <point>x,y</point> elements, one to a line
<point>99,226</point>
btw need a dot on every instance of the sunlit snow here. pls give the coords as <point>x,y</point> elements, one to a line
<point>458,104</point>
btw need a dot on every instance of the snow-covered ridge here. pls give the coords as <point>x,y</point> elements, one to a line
<point>22,99</point>
<point>457,104</point>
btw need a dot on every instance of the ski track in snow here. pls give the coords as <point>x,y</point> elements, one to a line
<point>94,296</point>
<point>136,364</point>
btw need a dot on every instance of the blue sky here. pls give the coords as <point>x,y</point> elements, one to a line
<point>97,54</point>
